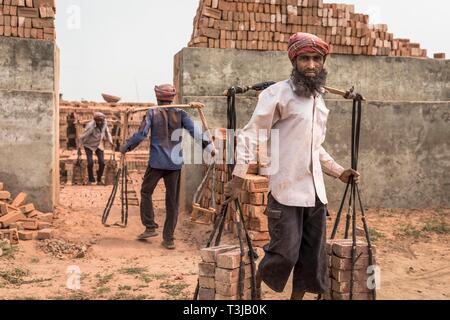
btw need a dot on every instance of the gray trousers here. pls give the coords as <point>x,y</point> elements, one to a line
<point>298,242</point>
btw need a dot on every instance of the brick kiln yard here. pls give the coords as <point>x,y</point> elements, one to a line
<point>413,250</point>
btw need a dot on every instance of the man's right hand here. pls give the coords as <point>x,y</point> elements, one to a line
<point>233,189</point>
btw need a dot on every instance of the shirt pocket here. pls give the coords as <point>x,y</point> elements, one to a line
<point>274,216</point>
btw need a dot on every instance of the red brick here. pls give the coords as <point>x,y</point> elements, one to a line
<point>45,234</point>
<point>5,195</point>
<point>26,235</point>
<point>209,255</point>
<point>11,217</point>
<point>11,235</point>
<point>232,259</point>
<point>206,294</point>
<point>207,269</point>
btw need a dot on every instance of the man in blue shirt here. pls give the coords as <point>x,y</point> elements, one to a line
<point>165,161</point>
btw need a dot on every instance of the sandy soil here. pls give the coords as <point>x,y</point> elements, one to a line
<point>413,251</point>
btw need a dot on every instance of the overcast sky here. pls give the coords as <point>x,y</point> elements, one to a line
<point>125,48</point>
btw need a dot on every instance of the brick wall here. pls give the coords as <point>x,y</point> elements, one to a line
<point>268,24</point>
<point>33,19</point>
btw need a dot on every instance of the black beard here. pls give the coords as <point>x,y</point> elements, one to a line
<point>308,86</point>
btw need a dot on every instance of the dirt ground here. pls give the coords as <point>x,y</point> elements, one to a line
<point>413,252</point>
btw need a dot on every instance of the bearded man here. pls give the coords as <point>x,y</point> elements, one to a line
<point>297,202</point>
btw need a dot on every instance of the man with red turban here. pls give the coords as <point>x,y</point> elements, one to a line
<point>294,114</point>
<point>165,161</point>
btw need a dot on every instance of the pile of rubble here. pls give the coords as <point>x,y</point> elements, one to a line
<point>62,249</point>
<point>19,221</point>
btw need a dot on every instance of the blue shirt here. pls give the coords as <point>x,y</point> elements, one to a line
<point>163,124</point>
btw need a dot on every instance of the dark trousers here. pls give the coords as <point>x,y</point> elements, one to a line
<point>298,242</point>
<point>90,164</point>
<point>172,183</point>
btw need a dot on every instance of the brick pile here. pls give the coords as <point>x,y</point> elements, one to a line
<point>34,19</point>
<point>20,221</point>
<point>70,112</point>
<point>268,24</point>
<point>253,198</point>
<point>340,265</point>
<point>219,274</point>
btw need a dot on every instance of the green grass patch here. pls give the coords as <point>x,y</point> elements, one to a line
<point>436,226</point>
<point>103,280</point>
<point>411,231</point>
<point>174,290</point>
<point>375,235</point>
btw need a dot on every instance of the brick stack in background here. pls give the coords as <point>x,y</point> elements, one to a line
<point>219,273</point>
<point>439,56</point>
<point>71,112</point>
<point>34,19</point>
<point>204,214</point>
<point>253,198</point>
<point>340,265</point>
<point>84,112</point>
<point>268,24</point>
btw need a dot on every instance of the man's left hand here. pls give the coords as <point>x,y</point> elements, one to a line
<point>347,174</point>
<point>123,149</point>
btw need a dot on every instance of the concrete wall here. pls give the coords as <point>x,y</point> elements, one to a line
<point>29,78</point>
<point>207,72</point>
<point>404,154</point>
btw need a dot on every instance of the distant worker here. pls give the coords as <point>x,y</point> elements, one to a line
<point>93,141</point>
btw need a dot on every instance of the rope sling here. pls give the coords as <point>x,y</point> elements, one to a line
<point>354,197</point>
<point>121,178</point>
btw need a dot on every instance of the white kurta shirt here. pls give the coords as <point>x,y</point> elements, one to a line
<point>301,124</point>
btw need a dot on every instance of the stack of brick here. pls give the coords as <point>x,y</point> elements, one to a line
<point>253,201</point>
<point>19,221</point>
<point>71,112</point>
<point>268,24</point>
<point>219,274</point>
<point>253,198</point>
<point>340,269</point>
<point>205,210</point>
<point>34,19</point>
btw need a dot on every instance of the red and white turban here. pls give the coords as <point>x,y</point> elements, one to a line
<point>165,92</point>
<point>300,43</point>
